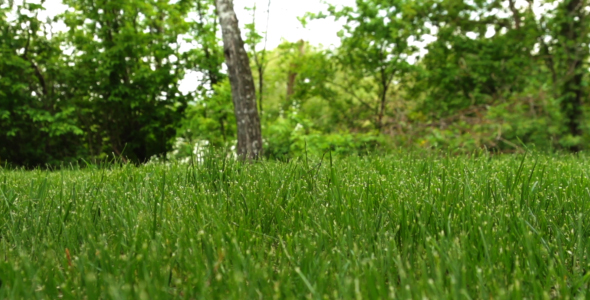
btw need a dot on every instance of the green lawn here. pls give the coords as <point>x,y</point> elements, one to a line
<point>376,227</point>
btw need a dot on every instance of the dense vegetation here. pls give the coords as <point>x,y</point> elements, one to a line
<point>490,73</point>
<point>372,227</point>
<point>337,208</point>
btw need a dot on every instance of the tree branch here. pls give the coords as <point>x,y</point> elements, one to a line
<point>515,13</point>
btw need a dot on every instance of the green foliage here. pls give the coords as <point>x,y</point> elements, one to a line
<point>375,50</point>
<point>496,75</point>
<point>511,64</point>
<point>448,74</point>
<point>294,136</point>
<point>206,56</point>
<point>460,72</point>
<point>107,86</point>
<point>37,120</point>
<point>406,226</point>
<point>211,119</point>
<point>128,68</point>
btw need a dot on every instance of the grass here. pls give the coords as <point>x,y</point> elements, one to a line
<point>401,226</point>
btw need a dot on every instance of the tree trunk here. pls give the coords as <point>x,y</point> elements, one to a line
<point>515,13</point>
<point>290,86</point>
<point>382,108</point>
<point>260,69</point>
<point>292,75</point>
<point>385,82</point>
<point>242,83</point>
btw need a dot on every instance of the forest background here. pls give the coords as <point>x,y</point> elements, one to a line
<point>498,74</point>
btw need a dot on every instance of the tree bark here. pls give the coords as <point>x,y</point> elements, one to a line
<point>242,83</point>
<point>385,83</point>
<point>292,75</point>
<point>515,13</point>
<point>382,108</point>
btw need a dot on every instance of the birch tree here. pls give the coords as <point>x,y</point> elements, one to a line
<point>242,83</point>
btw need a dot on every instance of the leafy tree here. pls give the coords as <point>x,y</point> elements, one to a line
<point>207,54</point>
<point>37,119</point>
<point>375,49</point>
<point>478,58</point>
<point>211,119</point>
<point>260,58</point>
<point>565,47</point>
<point>304,110</point>
<point>127,71</point>
<point>491,54</point>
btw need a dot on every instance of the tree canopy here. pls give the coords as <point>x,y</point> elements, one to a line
<point>444,74</point>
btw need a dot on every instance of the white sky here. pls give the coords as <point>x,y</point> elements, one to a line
<point>282,24</point>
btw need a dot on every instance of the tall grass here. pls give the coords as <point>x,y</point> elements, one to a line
<point>401,226</point>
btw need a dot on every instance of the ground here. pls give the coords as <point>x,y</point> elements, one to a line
<point>402,226</point>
